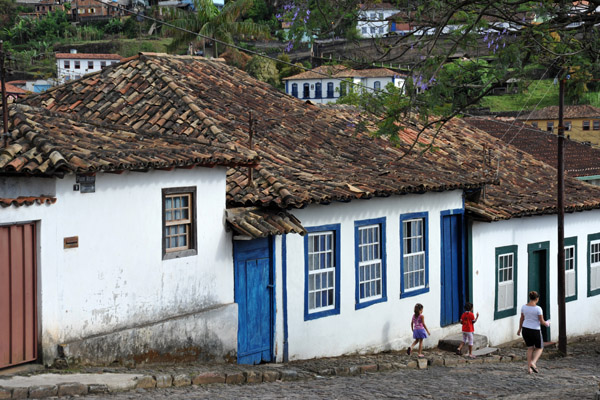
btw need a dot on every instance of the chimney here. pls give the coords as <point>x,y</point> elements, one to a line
<point>73,51</point>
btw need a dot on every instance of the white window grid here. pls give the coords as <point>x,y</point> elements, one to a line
<point>321,272</point>
<point>178,220</point>
<point>505,281</point>
<point>570,271</point>
<point>414,254</point>
<point>370,279</point>
<point>595,265</point>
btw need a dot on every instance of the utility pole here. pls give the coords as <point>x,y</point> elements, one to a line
<point>4,102</point>
<point>562,315</point>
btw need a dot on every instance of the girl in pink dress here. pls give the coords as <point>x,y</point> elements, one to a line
<point>419,329</point>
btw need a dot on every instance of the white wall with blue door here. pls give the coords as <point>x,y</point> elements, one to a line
<point>361,270</point>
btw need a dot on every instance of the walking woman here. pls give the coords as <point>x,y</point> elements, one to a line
<point>532,318</point>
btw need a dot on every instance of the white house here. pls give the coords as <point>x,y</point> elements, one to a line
<point>372,19</point>
<point>334,231</point>
<point>113,243</point>
<point>327,83</point>
<point>74,65</point>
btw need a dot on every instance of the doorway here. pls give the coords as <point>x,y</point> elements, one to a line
<point>538,278</point>
<point>254,295</point>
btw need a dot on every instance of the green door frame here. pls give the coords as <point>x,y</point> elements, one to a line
<point>533,267</point>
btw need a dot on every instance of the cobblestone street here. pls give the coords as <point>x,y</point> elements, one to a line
<point>574,377</point>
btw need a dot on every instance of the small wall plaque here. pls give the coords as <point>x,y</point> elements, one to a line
<point>87,183</point>
<point>71,242</point>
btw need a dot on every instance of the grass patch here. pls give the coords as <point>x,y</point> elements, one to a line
<point>131,47</point>
<point>537,94</point>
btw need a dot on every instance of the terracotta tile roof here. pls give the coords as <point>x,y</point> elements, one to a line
<point>551,112</point>
<point>26,201</point>
<point>13,89</point>
<point>48,143</point>
<point>154,93</point>
<point>257,222</point>
<point>580,159</point>
<point>310,154</point>
<point>341,72</point>
<point>526,187</point>
<point>87,56</point>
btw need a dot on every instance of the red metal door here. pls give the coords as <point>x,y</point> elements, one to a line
<point>18,311</point>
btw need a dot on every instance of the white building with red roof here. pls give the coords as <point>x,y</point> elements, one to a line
<point>74,65</point>
<point>327,83</point>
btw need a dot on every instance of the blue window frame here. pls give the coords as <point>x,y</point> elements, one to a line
<point>377,85</point>
<point>571,268</point>
<point>330,90</point>
<point>370,262</point>
<point>506,282</point>
<point>318,91</point>
<point>295,89</point>
<point>306,91</point>
<point>322,271</point>
<point>414,244</point>
<point>593,264</point>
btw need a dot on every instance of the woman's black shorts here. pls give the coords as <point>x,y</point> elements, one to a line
<point>533,337</point>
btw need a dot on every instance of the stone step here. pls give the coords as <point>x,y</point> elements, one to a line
<point>485,351</point>
<point>451,343</point>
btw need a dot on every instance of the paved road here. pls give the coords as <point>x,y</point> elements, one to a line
<point>573,377</point>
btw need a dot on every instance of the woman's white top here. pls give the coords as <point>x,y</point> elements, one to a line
<point>532,319</point>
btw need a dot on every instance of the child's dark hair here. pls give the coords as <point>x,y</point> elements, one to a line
<point>468,306</point>
<point>418,308</point>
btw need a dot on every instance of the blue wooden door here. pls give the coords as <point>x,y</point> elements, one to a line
<point>452,268</point>
<point>254,296</point>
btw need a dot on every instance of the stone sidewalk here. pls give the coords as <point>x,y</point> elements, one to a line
<point>23,382</point>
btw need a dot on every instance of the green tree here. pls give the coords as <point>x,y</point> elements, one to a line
<point>208,22</point>
<point>286,69</point>
<point>495,40</point>
<point>8,12</point>
<point>264,70</point>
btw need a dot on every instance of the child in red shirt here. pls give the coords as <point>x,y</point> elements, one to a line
<point>467,320</point>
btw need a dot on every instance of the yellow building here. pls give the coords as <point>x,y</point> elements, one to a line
<point>582,122</point>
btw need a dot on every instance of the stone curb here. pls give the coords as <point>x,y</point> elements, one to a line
<point>245,377</point>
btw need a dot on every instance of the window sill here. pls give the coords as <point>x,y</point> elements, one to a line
<point>321,314</point>
<point>593,292</point>
<point>368,303</point>
<point>180,254</point>
<point>414,293</point>
<point>505,313</point>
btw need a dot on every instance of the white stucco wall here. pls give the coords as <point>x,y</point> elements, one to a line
<point>381,326</point>
<point>361,82</point>
<point>583,314</point>
<point>116,278</point>
<point>74,73</point>
<point>372,23</point>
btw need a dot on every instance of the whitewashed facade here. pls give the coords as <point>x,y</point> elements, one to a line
<point>114,295</point>
<point>74,65</point>
<point>328,89</point>
<point>383,325</point>
<point>372,20</point>
<point>529,235</point>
